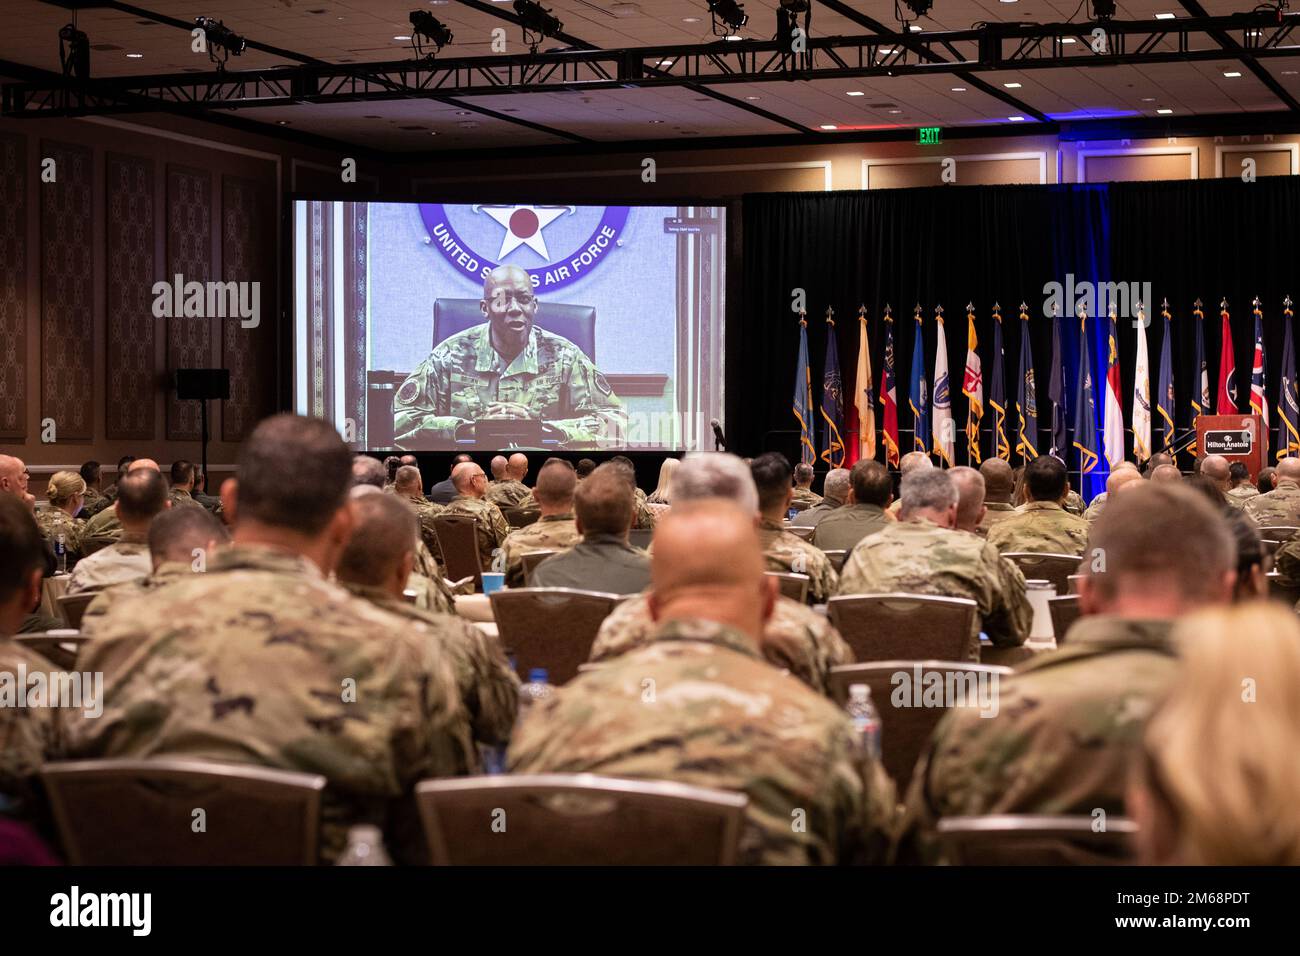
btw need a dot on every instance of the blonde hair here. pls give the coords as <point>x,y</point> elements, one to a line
<point>1219,763</point>
<point>63,486</point>
<point>664,491</point>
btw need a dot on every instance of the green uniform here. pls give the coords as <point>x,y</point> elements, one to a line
<point>114,594</point>
<point>489,523</point>
<point>54,522</point>
<point>714,714</point>
<point>551,533</point>
<point>995,512</point>
<point>507,493</point>
<point>919,557</point>
<point>795,638</point>
<point>790,553</point>
<point>806,497</point>
<point>91,502</point>
<point>811,517</point>
<point>845,527</point>
<point>127,560</point>
<point>1040,526</point>
<point>1281,506</point>
<point>645,517</point>
<point>552,377</point>
<point>180,498</point>
<point>262,661</point>
<point>101,531</point>
<point>426,511</point>
<point>598,562</point>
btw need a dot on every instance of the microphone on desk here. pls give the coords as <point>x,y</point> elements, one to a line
<point>719,440</point>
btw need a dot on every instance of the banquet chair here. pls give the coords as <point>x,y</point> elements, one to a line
<point>60,647</point>
<point>1034,840</point>
<point>1065,611</point>
<point>531,559</point>
<point>793,586</point>
<point>552,628</point>
<point>72,607</point>
<point>458,539</point>
<point>1046,566</point>
<point>886,627</point>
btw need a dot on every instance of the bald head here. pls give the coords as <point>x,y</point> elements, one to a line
<point>556,483</point>
<point>999,480</point>
<point>143,463</point>
<point>1217,468</point>
<point>1166,474</point>
<point>13,479</point>
<point>913,460</point>
<point>1121,477</point>
<point>970,497</point>
<point>368,471</point>
<point>1288,468</point>
<point>499,466</point>
<point>708,564</point>
<point>468,479</point>
<point>517,467</point>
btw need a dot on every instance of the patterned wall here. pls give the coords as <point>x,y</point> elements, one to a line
<point>67,293</point>
<point>13,287</point>
<point>247,248</point>
<point>189,254</point>
<point>129,239</point>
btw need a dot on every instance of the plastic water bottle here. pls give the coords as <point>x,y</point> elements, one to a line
<point>61,554</point>
<point>537,689</point>
<point>365,848</point>
<point>866,721</point>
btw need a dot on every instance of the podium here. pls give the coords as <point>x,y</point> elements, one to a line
<point>1235,437</point>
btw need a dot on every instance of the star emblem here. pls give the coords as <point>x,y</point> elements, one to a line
<point>524,225</point>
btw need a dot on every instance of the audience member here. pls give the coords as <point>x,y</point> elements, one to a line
<point>510,490</point>
<point>1281,506</point>
<point>445,490</point>
<point>1239,485</point>
<point>1120,475</point>
<point>871,489</point>
<point>999,484</point>
<point>555,530</point>
<point>1042,524</point>
<point>835,494</point>
<point>783,551</point>
<point>603,560</point>
<point>64,496</point>
<point>970,498</point>
<point>804,496</point>
<point>663,493</point>
<point>140,495</point>
<point>181,494</point>
<point>489,523</point>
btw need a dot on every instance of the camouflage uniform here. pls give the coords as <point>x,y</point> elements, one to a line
<point>645,517</point>
<point>787,552</point>
<point>125,561</point>
<point>1096,507</point>
<point>1074,503</point>
<point>552,377</point>
<point>426,511</point>
<point>919,557</point>
<point>262,661</point>
<point>995,512</point>
<point>1041,526</point>
<point>27,734</point>
<point>488,685</point>
<point>1065,731</point>
<point>528,502</point>
<point>180,498</point>
<point>796,638</point>
<point>92,502</point>
<point>551,533</point>
<point>101,531</point>
<point>805,497</point>
<point>54,522</point>
<point>1281,506</point>
<point>114,594</point>
<point>508,493</point>
<point>489,522</point>
<point>1237,497</point>
<point>719,717</point>
<point>431,593</point>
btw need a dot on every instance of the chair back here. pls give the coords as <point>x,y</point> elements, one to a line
<point>1045,566</point>
<point>577,323</point>
<point>907,717</point>
<point>578,819</point>
<point>531,559</point>
<point>798,505</point>
<point>458,539</point>
<point>73,607</point>
<point>800,531</point>
<point>1278,532</point>
<point>793,586</point>
<point>550,627</point>
<point>1072,583</point>
<point>1065,611</point>
<point>1282,592</point>
<point>520,517</point>
<point>60,647</point>
<point>141,813</point>
<point>887,627</point>
<point>1033,840</point>
<point>640,537</point>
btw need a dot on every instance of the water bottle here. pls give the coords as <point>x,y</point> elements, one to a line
<point>537,689</point>
<point>365,848</point>
<point>61,554</point>
<point>866,721</point>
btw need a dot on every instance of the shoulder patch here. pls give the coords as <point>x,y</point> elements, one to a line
<point>408,392</point>
<point>603,384</point>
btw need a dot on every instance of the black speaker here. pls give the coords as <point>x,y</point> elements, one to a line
<point>200,384</point>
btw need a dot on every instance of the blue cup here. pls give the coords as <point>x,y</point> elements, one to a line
<point>493,581</point>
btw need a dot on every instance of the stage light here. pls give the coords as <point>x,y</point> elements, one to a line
<point>1103,9</point>
<point>538,22</point>
<point>74,53</point>
<point>220,37</point>
<point>426,27</point>
<point>728,16</point>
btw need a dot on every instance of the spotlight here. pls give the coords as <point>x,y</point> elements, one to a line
<point>425,26</point>
<point>538,22</point>
<point>220,37</point>
<point>728,16</point>
<point>74,53</point>
<point>1103,9</point>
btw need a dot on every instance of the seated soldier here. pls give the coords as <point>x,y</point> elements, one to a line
<point>999,484</point>
<point>1041,524</point>
<point>555,530</point>
<point>105,528</point>
<point>1281,506</point>
<point>407,485</point>
<point>510,490</point>
<point>141,495</point>
<point>870,493</point>
<point>64,495</point>
<point>489,523</point>
<point>803,494</point>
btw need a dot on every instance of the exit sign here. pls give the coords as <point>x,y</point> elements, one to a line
<point>929,136</point>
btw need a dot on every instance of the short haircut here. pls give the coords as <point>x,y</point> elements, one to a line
<point>384,532</point>
<point>182,472</point>
<point>124,463</point>
<point>555,483</point>
<point>141,494</point>
<point>176,532</point>
<point>914,459</point>
<point>1238,472</point>
<point>927,489</point>
<point>1166,473</point>
<point>715,474</point>
<point>283,446</point>
<point>771,473</point>
<point>585,467</point>
<point>1216,466</point>
<point>871,481</point>
<point>407,475</point>
<point>90,472</point>
<point>498,465</point>
<point>605,502</point>
<point>1160,533</point>
<point>999,479</point>
<point>391,464</point>
<point>22,550</point>
<point>1209,488</point>
<point>970,493</point>
<point>803,473</point>
<point>625,468</point>
<point>836,484</point>
<point>1264,480</point>
<point>368,471</point>
<point>1046,478</point>
<point>1287,468</point>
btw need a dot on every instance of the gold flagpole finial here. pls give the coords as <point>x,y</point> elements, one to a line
<point>916,313</point>
<point>889,313</point>
<point>1223,306</point>
<point>938,311</point>
<point>803,318</point>
<point>1024,310</point>
<point>1197,305</point>
<point>830,315</point>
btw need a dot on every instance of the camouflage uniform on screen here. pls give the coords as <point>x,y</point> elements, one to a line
<point>262,661</point>
<point>787,552</point>
<point>551,377</point>
<point>795,638</point>
<point>54,522</point>
<point>126,560</point>
<point>488,685</point>
<point>180,498</point>
<point>114,594</point>
<point>1040,526</point>
<point>1074,503</point>
<point>723,718</point>
<point>919,557</point>
<point>995,512</point>
<point>1237,497</point>
<point>508,493</point>
<point>806,497</point>
<point>27,734</point>
<point>1281,506</point>
<point>551,533</point>
<point>1063,737</point>
<point>489,522</point>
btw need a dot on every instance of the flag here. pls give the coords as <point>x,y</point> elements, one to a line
<point>1112,427</point>
<point>1165,381</point>
<point>1288,398</point>
<point>1258,402</point>
<point>1227,402</point>
<point>1085,404</point>
<point>1056,393</point>
<point>832,400</point>
<point>1141,393</point>
<point>865,399</point>
<point>803,397</point>
<point>889,395</point>
<point>919,396</point>
<point>1200,374</point>
<point>972,386</point>
<point>1026,394</point>
<point>943,432</point>
<point>998,392</point>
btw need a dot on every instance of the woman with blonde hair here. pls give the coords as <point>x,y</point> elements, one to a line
<point>1217,779</point>
<point>663,494</point>
<point>65,495</point>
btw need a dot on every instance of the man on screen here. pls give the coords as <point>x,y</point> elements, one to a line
<point>508,368</point>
